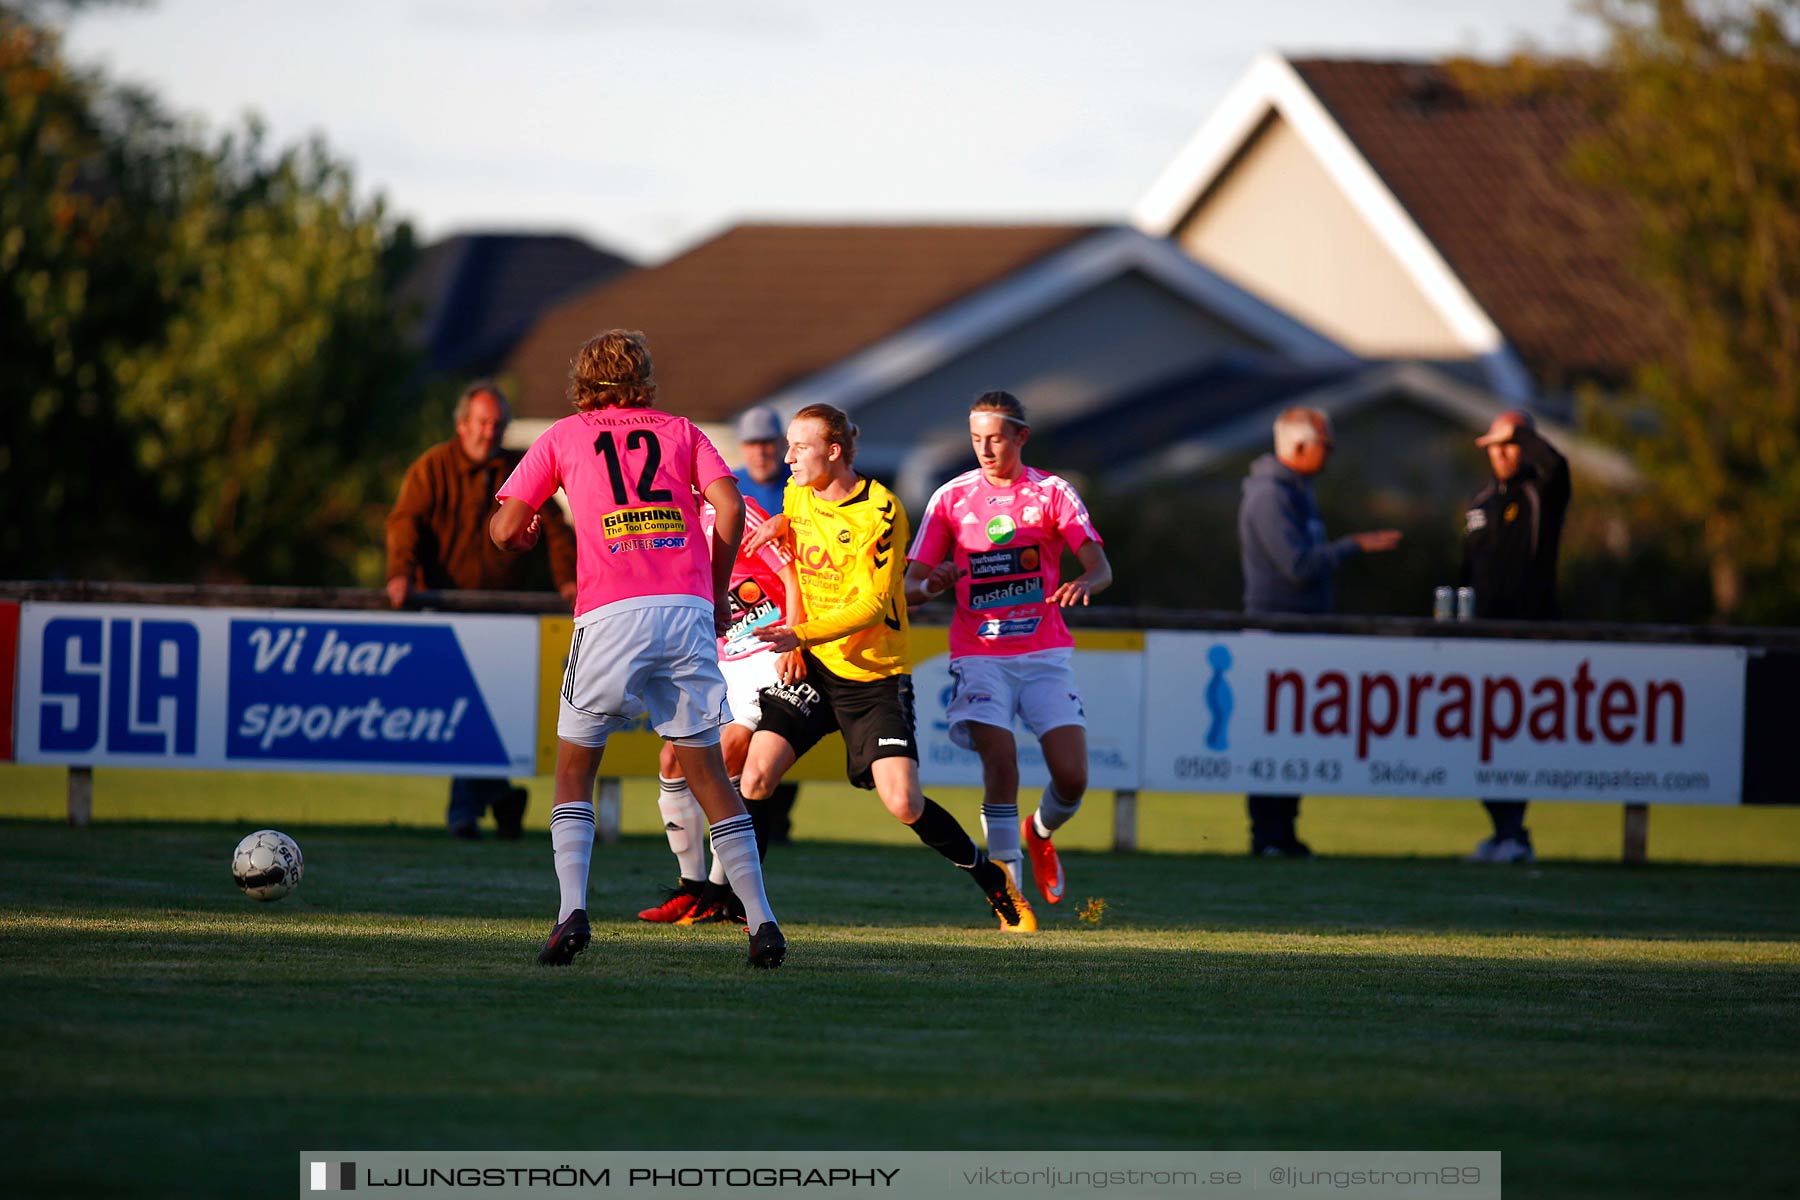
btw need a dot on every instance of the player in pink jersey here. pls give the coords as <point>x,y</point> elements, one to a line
<point>997,534</point>
<point>649,602</point>
<point>765,591</point>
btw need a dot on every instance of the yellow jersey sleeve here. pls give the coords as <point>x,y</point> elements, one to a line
<point>851,556</point>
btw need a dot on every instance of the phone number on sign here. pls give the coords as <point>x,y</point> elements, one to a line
<point>1260,770</point>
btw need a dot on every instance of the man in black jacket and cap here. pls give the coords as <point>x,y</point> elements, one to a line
<point>1511,533</point>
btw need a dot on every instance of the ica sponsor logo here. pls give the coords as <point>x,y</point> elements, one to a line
<point>816,557</point>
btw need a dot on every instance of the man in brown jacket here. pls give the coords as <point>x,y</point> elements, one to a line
<point>437,538</point>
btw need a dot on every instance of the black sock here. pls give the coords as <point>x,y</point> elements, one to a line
<point>781,810</point>
<point>939,830</point>
<point>759,821</point>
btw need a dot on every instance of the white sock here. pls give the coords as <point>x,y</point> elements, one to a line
<point>717,874</point>
<point>734,844</point>
<point>572,842</point>
<point>1000,828</point>
<point>682,822</point>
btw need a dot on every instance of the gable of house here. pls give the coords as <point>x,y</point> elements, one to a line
<point>1486,179</point>
<point>1409,216</point>
<point>1278,222</point>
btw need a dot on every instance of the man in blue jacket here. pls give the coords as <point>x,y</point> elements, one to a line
<point>764,475</point>
<point>1288,564</point>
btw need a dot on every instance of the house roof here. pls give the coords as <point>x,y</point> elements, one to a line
<point>469,297</point>
<point>1042,287</point>
<point>759,307</point>
<point>1467,190</point>
<point>1188,405</point>
<point>1484,179</point>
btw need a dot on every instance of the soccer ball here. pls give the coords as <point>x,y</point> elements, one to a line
<point>267,865</point>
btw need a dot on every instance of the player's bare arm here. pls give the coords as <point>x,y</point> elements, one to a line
<point>1096,575</point>
<point>728,532</point>
<point>869,609</point>
<point>516,526</point>
<point>926,583</point>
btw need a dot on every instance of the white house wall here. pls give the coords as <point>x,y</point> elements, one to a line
<point>1279,225</point>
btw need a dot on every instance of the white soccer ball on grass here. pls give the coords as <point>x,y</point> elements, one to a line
<point>267,865</point>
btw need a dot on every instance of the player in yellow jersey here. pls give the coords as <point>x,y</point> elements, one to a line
<point>848,536</point>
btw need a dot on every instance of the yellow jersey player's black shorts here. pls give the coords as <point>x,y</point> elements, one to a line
<point>874,715</point>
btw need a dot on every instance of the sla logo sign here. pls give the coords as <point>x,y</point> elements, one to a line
<point>355,691</point>
<point>210,688</point>
<point>118,686</point>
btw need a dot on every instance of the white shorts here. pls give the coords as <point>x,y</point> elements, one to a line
<point>991,689</point>
<point>745,678</point>
<point>661,660</point>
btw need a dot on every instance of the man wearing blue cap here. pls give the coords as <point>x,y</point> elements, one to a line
<point>763,478</point>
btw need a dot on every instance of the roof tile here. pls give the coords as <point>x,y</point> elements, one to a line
<point>759,307</point>
<point>1547,259</point>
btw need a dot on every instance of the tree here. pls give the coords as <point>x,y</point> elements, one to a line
<point>201,371</point>
<point>75,199</point>
<point>267,408</point>
<point>1699,111</point>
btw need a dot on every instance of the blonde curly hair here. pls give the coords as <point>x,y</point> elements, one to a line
<point>612,370</point>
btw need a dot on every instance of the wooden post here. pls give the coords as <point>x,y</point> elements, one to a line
<point>1125,837</point>
<point>1637,834</point>
<point>81,796</point>
<point>609,800</point>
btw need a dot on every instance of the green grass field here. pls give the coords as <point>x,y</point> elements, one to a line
<point>1613,1031</point>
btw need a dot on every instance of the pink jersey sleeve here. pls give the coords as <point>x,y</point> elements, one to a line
<point>773,554</point>
<point>1071,517</point>
<point>933,543</point>
<point>535,479</point>
<point>708,465</point>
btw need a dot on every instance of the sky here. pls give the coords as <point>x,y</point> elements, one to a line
<point>646,127</point>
